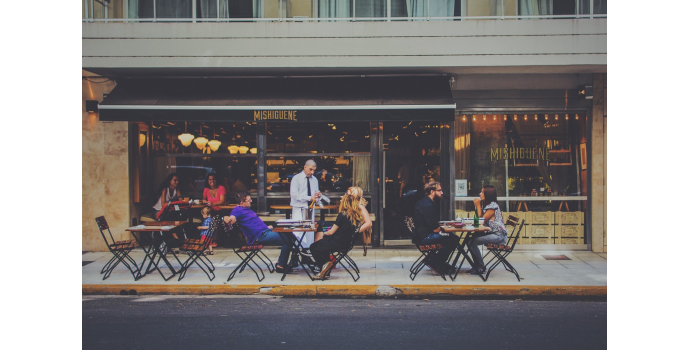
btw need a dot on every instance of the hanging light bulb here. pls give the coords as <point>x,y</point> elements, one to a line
<point>464,118</point>
<point>201,141</point>
<point>515,117</point>
<point>546,117</point>
<point>556,116</point>
<point>185,138</point>
<point>244,149</point>
<point>474,118</point>
<point>214,144</point>
<point>233,149</point>
<point>566,117</point>
<point>484,117</point>
<point>535,117</point>
<point>525,117</point>
<point>505,117</point>
<point>577,117</point>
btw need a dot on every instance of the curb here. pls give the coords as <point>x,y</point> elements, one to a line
<point>347,291</point>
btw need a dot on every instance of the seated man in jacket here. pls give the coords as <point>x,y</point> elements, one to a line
<point>426,218</point>
<point>256,230</point>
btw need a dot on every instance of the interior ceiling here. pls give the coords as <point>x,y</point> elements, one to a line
<point>345,71</point>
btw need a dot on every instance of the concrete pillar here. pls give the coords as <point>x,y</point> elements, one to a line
<point>598,165</point>
<point>105,174</point>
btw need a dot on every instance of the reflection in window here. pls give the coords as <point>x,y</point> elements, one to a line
<point>230,8</point>
<point>422,8</point>
<point>109,9</point>
<point>164,9</point>
<point>318,138</point>
<point>288,8</point>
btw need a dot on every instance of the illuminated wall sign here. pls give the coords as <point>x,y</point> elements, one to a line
<point>499,153</point>
<point>275,115</point>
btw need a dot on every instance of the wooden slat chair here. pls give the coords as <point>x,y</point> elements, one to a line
<point>342,255</point>
<point>195,248</point>
<point>427,252</point>
<point>501,251</point>
<point>119,249</point>
<point>247,253</point>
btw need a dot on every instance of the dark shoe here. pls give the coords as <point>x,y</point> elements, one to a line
<point>315,269</point>
<point>450,269</point>
<point>476,271</point>
<point>295,261</point>
<point>283,270</point>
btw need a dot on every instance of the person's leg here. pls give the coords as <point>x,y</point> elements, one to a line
<point>319,252</point>
<point>436,260</point>
<point>273,238</point>
<point>481,240</point>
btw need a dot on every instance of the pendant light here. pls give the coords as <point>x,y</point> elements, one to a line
<point>244,149</point>
<point>186,138</point>
<point>201,141</point>
<point>233,149</point>
<point>214,144</point>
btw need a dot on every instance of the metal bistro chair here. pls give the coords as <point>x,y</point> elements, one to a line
<point>247,253</point>
<point>427,250</point>
<point>119,249</point>
<point>195,248</point>
<point>501,251</point>
<point>342,255</point>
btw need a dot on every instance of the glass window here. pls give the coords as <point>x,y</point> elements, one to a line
<point>318,138</point>
<point>288,8</point>
<point>536,156</point>
<point>373,8</point>
<point>140,9</point>
<point>110,9</point>
<point>173,8</point>
<point>335,173</point>
<point>193,150</point>
<point>229,8</point>
<point>599,7</point>
<point>424,8</point>
<point>483,8</point>
<point>334,8</point>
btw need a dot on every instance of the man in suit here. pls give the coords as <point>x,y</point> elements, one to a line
<point>427,230</point>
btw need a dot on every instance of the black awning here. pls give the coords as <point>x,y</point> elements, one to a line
<point>280,99</point>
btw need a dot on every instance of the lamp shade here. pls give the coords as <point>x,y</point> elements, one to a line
<point>214,144</point>
<point>186,139</point>
<point>233,149</point>
<point>200,142</point>
<point>142,140</point>
<point>252,150</point>
<point>244,149</point>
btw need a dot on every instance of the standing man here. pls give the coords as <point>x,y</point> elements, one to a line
<point>304,189</point>
<point>426,227</point>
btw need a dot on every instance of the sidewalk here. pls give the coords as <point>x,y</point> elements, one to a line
<point>384,273</point>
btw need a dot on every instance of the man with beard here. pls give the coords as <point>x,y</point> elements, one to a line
<point>426,217</point>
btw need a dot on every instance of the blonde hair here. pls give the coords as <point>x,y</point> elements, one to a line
<point>205,211</point>
<point>350,205</point>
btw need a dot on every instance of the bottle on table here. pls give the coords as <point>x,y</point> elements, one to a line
<point>476,220</point>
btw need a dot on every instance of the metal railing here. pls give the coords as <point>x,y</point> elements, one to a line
<point>101,11</point>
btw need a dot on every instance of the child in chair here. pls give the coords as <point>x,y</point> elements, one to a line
<point>206,214</point>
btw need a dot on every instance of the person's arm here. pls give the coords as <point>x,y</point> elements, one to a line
<point>202,227</point>
<point>332,230</point>
<point>163,202</point>
<point>430,218</point>
<point>230,219</point>
<point>367,219</point>
<point>294,191</point>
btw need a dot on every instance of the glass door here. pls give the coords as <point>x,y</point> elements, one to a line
<point>411,157</point>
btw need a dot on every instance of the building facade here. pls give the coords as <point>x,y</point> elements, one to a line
<point>383,94</point>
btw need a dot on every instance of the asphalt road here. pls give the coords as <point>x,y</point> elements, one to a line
<point>235,322</point>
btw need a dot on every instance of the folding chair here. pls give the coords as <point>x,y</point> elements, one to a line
<point>342,255</point>
<point>427,250</point>
<point>501,251</point>
<point>119,249</point>
<point>247,253</point>
<point>195,248</point>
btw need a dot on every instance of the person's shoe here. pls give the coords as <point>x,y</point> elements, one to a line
<point>295,261</point>
<point>478,271</point>
<point>450,269</point>
<point>283,270</point>
<point>303,253</point>
<point>315,269</point>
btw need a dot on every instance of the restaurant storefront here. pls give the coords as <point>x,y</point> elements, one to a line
<point>388,136</point>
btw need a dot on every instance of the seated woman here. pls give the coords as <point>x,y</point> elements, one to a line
<point>340,235</point>
<point>366,228</point>
<point>214,194</point>
<point>166,192</point>
<point>493,218</point>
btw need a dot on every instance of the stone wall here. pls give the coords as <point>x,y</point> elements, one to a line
<point>105,170</point>
<point>598,166</point>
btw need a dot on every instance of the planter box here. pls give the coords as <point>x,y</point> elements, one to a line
<point>540,231</point>
<point>570,218</point>
<point>540,218</point>
<point>570,231</point>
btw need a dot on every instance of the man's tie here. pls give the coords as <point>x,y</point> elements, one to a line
<point>308,188</point>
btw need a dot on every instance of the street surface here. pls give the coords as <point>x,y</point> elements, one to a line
<point>240,322</point>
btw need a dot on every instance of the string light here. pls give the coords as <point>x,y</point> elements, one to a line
<point>474,118</point>
<point>535,117</point>
<point>514,116</point>
<point>546,117</point>
<point>464,118</point>
<point>577,117</point>
<point>494,117</point>
<point>525,117</point>
<point>484,117</point>
<point>505,117</point>
<point>566,117</point>
<point>556,116</point>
